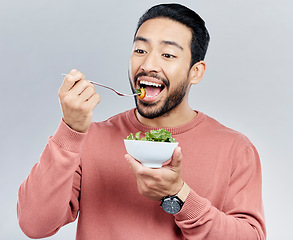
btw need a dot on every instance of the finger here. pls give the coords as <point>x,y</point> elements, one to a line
<point>80,86</point>
<point>134,165</point>
<point>138,168</point>
<point>70,80</point>
<point>176,158</point>
<point>94,100</point>
<point>87,93</point>
<point>77,74</point>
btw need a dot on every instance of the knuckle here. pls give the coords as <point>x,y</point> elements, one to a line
<point>67,100</point>
<point>140,172</point>
<point>97,97</point>
<point>83,107</point>
<point>79,75</point>
<point>143,189</point>
<point>83,82</point>
<point>91,90</point>
<point>60,94</point>
<point>149,185</point>
<point>72,103</point>
<point>69,78</point>
<point>75,72</point>
<point>75,106</point>
<point>157,178</point>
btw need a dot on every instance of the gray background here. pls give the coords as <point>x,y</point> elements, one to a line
<point>247,86</point>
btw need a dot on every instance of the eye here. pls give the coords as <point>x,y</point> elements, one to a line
<point>139,51</point>
<point>167,55</point>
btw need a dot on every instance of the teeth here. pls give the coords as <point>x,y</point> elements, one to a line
<point>150,84</point>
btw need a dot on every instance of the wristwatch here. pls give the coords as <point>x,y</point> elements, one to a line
<point>172,204</point>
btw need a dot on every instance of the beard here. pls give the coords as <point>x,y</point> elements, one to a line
<point>154,110</point>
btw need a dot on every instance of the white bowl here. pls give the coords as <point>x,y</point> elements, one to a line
<point>150,154</point>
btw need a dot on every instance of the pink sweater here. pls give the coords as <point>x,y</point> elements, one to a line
<point>87,174</point>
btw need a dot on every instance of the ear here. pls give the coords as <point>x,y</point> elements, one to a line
<point>196,72</point>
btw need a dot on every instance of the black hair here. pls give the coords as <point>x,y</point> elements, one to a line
<point>176,12</point>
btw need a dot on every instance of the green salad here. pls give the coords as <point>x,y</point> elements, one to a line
<point>161,135</point>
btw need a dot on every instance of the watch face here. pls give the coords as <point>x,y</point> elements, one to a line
<point>171,205</point>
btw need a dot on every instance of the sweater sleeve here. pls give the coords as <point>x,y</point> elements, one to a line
<point>242,216</point>
<point>49,196</point>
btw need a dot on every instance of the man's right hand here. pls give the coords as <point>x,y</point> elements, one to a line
<point>78,99</point>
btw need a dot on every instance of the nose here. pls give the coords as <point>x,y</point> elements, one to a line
<point>150,63</point>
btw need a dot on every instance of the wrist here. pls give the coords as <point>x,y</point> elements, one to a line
<point>67,138</point>
<point>78,127</point>
<point>173,204</point>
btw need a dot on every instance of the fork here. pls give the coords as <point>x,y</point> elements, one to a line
<point>102,85</point>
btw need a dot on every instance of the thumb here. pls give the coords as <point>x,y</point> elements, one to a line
<point>176,158</point>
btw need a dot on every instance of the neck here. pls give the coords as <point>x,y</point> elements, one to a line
<point>176,117</point>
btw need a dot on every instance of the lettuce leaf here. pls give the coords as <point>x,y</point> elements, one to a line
<point>161,135</point>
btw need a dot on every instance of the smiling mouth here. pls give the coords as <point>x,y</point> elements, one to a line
<point>152,89</point>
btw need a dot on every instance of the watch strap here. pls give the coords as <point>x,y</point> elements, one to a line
<point>183,193</point>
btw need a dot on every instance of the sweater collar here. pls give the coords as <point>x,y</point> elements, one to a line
<point>174,131</point>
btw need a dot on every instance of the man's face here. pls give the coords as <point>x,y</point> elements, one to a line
<point>160,62</point>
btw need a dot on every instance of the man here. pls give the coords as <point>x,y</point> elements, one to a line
<point>213,177</point>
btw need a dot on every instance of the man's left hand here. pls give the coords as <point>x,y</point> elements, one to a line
<point>158,183</point>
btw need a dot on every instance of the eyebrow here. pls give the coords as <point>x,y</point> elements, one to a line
<point>165,42</point>
<point>172,43</point>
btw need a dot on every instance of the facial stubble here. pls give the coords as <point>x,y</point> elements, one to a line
<point>153,110</point>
